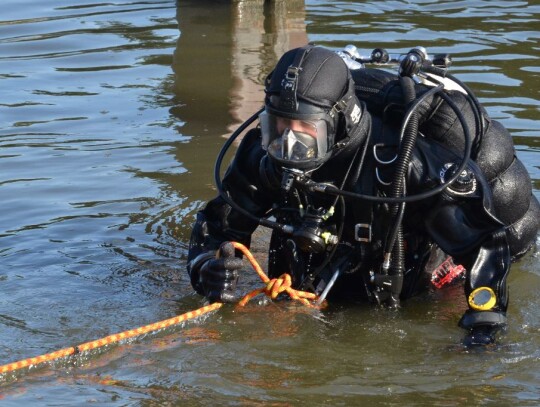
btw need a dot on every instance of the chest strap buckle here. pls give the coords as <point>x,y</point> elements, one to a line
<point>362,232</point>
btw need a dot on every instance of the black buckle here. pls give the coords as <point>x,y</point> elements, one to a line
<point>362,232</point>
<point>287,98</point>
<point>338,107</point>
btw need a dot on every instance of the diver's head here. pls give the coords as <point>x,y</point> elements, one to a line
<point>310,106</point>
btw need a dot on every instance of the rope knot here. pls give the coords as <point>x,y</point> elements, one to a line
<point>276,286</point>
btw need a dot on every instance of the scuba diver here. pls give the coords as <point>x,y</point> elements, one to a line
<point>376,186</point>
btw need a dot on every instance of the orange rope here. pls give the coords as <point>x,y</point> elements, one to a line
<point>108,339</point>
<point>273,288</point>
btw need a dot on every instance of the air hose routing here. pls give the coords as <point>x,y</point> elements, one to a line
<point>391,280</point>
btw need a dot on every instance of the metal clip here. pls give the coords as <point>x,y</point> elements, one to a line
<point>380,179</point>
<point>340,106</point>
<point>360,235</point>
<point>380,161</point>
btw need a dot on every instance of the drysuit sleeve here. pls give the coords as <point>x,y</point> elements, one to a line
<point>461,221</point>
<point>483,229</point>
<point>466,232</point>
<point>218,222</point>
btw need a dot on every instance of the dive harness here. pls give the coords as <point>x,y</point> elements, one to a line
<point>388,280</point>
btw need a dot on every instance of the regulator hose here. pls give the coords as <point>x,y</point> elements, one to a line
<point>330,189</point>
<point>473,102</point>
<point>407,144</point>
<point>219,185</point>
<point>325,188</point>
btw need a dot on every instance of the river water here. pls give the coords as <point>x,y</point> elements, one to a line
<point>112,114</point>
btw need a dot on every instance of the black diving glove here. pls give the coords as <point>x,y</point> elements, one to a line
<point>482,327</point>
<point>218,276</point>
<point>480,336</point>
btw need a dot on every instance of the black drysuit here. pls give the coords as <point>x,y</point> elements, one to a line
<point>483,221</point>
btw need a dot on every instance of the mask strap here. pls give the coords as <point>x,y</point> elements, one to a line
<point>288,100</point>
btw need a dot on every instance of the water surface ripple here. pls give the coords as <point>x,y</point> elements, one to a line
<point>112,114</point>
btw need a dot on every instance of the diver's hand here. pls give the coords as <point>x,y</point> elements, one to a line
<point>482,326</point>
<point>480,336</point>
<point>218,276</point>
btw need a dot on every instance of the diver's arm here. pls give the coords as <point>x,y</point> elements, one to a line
<point>486,290</point>
<point>218,222</point>
<point>463,228</point>
<point>461,221</point>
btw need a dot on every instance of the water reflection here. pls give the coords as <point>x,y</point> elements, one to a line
<point>222,56</point>
<point>224,52</point>
<point>263,31</point>
<point>107,152</point>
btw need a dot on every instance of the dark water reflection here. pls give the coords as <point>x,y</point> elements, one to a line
<point>112,115</point>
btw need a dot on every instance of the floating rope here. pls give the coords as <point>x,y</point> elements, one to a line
<point>98,343</point>
<point>273,288</point>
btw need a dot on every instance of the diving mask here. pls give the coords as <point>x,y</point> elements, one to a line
<point>294,142</point>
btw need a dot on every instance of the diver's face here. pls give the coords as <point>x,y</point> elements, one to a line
<point>297,126</point>
<point>295,143</point>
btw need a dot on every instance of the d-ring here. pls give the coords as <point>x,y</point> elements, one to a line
<point>379,177</point>
<point>377,157</point>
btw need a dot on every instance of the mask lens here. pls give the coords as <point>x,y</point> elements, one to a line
<point>298,146</point>
<point>294,140</point>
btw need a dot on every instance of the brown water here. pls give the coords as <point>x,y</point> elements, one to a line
<point>112,114</point>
